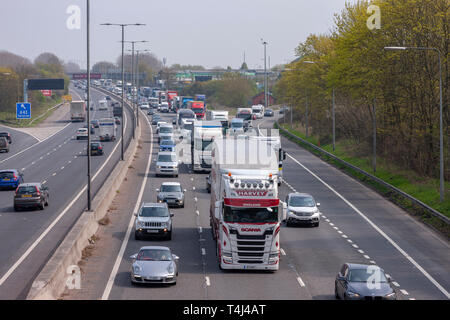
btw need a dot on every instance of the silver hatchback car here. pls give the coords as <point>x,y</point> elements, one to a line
<point>154,265</point>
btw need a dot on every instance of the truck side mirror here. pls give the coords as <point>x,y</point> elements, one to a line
<point>284,155</point>
<point>284,213</point>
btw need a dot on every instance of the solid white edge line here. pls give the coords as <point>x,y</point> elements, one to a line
<point>381,232</point>
<point>50,227</point>
<point>119,258</point>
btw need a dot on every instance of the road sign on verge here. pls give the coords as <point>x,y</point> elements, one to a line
<point>23,110</point>
<point>67,97</point>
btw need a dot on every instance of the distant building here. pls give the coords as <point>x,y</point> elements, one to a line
<point>259,99</point>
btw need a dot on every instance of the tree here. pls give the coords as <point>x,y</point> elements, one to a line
<point>103,67</point>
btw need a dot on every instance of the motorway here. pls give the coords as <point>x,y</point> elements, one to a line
<point>357,225</point>
<point>28,238</point>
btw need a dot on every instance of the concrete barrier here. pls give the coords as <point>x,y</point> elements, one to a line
<point>51,281</point>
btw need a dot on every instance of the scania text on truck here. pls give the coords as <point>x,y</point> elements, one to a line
<point>204,134</point>
<point>199,109</point>
<point>244,213</point>
<point>108,129</point>
<point>77,111</point>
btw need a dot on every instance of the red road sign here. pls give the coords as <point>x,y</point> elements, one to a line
<point>47,93</point>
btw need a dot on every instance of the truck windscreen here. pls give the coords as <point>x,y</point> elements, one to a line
<point>245,116</point>
<point>250,215</point>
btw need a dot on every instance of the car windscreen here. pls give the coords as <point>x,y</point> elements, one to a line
<point>245,116</point>
<point>299,201</point>
<point>154,212</point>
<point>365,275</point>
<point>166,129</point>
<point>169,188</point>
<point>167,158</point>
<point>154,255</point>
<point>6,175</point>
<point>167,143</point>
<point>187,115</point>
<point>26,190</point>
<point>237,124</point>
<point>250,215</point>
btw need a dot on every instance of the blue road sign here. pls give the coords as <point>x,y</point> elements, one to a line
<point>23,110</point>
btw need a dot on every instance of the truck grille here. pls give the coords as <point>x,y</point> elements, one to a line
<point>251,243</point>
<point>251,248</point>
<point>250,237</point>
<point>250,261</point>
<point>153,224</point>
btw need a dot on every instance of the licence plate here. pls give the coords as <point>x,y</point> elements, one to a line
<point>249,267</point>
<point>6,179</point>
<point>152,231</point>
<point>26,196</point>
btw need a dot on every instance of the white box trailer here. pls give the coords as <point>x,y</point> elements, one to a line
<point>108,129</point>
<point>204,134</point>
<point>77,111</point>
<point>244,205</point>
<point>103,105</point>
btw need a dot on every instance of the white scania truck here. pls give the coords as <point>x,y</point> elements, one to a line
<point>244,210</point>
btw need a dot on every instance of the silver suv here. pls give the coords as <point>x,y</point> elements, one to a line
<point>167,164</point>
<point>171,193</point>
<point>153,219</point>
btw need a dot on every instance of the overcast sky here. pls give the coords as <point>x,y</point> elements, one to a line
<point>206,32</point>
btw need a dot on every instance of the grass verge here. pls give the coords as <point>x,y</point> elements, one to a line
<point>42,111</point>
<point>422,188</point>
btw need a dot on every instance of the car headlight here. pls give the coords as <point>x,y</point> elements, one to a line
<point>170,269</point>
<point>352,294</point>
<point>159,167</point>
<point>137,269</point>
<point>140,224</point>
<point>164,224</point>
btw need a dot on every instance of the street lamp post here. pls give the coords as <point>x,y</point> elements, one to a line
<point>123,75</point>
<point>88,67</point>
<point>265,74</point>
<point>138,81</point>
<point>133,81</point>
<point>441,134</point>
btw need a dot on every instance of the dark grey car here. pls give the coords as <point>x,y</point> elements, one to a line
<point>29,195</point>
<point>363,282</point>
<point>172,193</point>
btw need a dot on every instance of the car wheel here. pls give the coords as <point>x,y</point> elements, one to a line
<point>16,208</point>
<point>317,224</point>
<point>41,207</point>
<point>288,223</point>
<point>169,235</point>
<point>46,203</point>
<point>136,236</point>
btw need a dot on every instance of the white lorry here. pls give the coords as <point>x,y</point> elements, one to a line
<point>222,116</point>
<point>244,211</point>
<point>77,111</point>
<point>203,136</point>
<point>108,129</point>
<point>103,105</point>
<point>258,111</point>
<point>274,142</point>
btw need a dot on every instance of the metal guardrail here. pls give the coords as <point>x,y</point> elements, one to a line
<point>376,179</point>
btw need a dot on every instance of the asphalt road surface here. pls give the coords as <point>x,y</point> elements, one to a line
<point>357,225</point>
